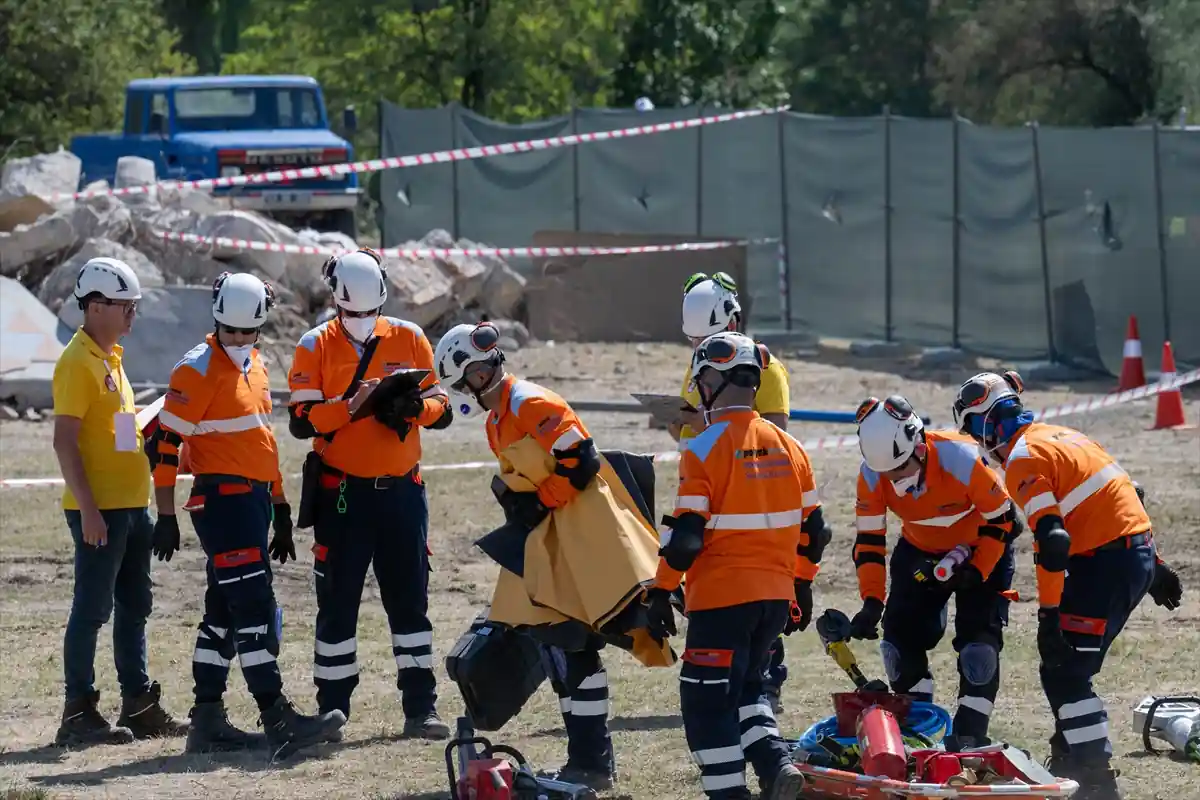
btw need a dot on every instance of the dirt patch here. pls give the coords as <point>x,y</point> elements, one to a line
<point>1153,655</point>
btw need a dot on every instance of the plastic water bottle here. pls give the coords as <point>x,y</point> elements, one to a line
<point>945,568</point>
<point>1184,735</point>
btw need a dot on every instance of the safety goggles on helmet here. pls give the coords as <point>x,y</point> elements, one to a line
<point>978,395</point>
<point>721,279</point>
<point>484,338</point>
<point>896,407</point>
<point>722,351</point>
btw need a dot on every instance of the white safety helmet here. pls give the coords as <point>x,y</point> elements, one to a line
<point>728,349</point>
<point>241,300</point>
<point>358,280</point>
<point>108,277</point>
<point>889,432</point>
<point>460,347</point>
<point>986,401</point>
<point>709,304</point>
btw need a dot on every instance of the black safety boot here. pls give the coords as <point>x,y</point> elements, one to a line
<point>1097,779</point>
<point>144,715</point>
<point>288,730</point>
<point>597,780</point>
<point>212,732</point>
<point>83,725</point>
<point>429,726</point>
<point>786,785</point>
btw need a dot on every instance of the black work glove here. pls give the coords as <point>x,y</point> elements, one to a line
<point>801,612</point>
<point>282,546</point>
<point>523,508</point>
<point>965,578</point>
<point>1053,647</point>
<point>660,614</point>
<point>866,621</point>
<point>408,405</point>
<point>166,537</point>
<point>1166,588</point>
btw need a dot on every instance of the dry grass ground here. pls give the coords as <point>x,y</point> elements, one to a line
<point>1157,653</point>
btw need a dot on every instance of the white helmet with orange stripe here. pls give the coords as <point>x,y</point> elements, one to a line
<point>736,357</point>
<point>889,433</point>
<point>988,408</point>
<point>454,359</point>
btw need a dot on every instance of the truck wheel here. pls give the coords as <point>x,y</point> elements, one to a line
<point>343,222</point>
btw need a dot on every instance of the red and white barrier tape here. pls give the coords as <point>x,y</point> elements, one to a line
<point>425,159</point>
<point>811,445</point>
<point>453,252</point>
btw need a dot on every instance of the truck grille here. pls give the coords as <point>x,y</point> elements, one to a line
<point>253,162</point>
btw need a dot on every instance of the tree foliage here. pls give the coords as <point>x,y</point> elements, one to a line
<point>65,65</point>
<point>1083,62</point>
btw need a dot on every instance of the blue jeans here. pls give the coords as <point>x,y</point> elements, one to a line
<point>115,576</point>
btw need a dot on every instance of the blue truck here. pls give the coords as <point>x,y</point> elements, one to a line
<point>216,126</point>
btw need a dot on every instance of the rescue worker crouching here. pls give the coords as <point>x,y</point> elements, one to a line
<point>710,305</point>
<point>1095,555</point>
<point>945,497</point>
<point>748,533</point>
<point>219,403</point>
<point>363,491</point>
<point>470,362</point>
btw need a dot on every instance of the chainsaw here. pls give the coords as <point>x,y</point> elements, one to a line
<point>484,775</point>
<point>833,628</point>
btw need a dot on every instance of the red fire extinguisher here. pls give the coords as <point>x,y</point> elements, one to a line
<point>881,744</point>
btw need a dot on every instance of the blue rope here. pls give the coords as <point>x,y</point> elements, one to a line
<point>924,719</point>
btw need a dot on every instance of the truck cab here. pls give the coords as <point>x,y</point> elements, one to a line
<point>194,128</point>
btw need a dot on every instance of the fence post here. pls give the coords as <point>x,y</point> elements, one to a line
<point>700,173</point>
<point>785,266</point>
<point>1162,239</point>
<point>575,163</point>
<point>887,222</point>
<point>955,233</point>
<point>381,214</point>
<point>1041,212</point>
<point>454,166</point>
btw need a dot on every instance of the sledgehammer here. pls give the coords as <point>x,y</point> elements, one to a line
<point>833,627</point>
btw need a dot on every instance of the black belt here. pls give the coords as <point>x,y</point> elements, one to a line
<point>378,482</point>
<point>204,481</point>
<point>1124,543</point>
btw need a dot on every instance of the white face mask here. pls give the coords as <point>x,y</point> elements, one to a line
<point>465,405</point>
<point>360,328</point>
<point>240,355</point>
<point>905,485</point>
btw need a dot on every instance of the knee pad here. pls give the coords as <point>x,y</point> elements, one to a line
<point>979,663</point>
<point>704,680</point>
<point>891,659</point>
<point>580,667</point>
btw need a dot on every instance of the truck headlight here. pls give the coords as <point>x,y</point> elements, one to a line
<point>230,172</point>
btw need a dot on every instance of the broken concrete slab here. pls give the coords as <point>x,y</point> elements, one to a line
<point>44,175</point>
<point>59,285</point>
<point>134,171</point>
<point>25,210</point>
<point>170,321</point>
<point>31,340</point>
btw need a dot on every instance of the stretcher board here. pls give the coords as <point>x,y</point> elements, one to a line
<point>666,408</point>
<point>826,783</point>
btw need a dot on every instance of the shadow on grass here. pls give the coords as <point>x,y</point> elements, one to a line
<point>1173,755</point>
<point>46,754</point>
<point>650,722</point>
<point>178,764</point>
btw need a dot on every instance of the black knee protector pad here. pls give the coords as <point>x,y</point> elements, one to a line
<point>904,666</point>
<point>979,663</point>
<point>580,666</point>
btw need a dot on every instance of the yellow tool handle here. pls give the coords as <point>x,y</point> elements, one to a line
<point>843,656</point>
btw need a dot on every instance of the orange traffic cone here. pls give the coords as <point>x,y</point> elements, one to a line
<point>1169,413</point>
<point>1133,372</point>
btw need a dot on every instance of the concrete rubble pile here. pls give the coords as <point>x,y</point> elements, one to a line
<point>45,239</point>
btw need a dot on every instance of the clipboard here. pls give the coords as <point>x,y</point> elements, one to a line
<point>666,408</point>
<point>398,382</point>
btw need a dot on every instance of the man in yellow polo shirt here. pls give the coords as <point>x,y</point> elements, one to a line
<point>710,305</point>
<point>106,501</point>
